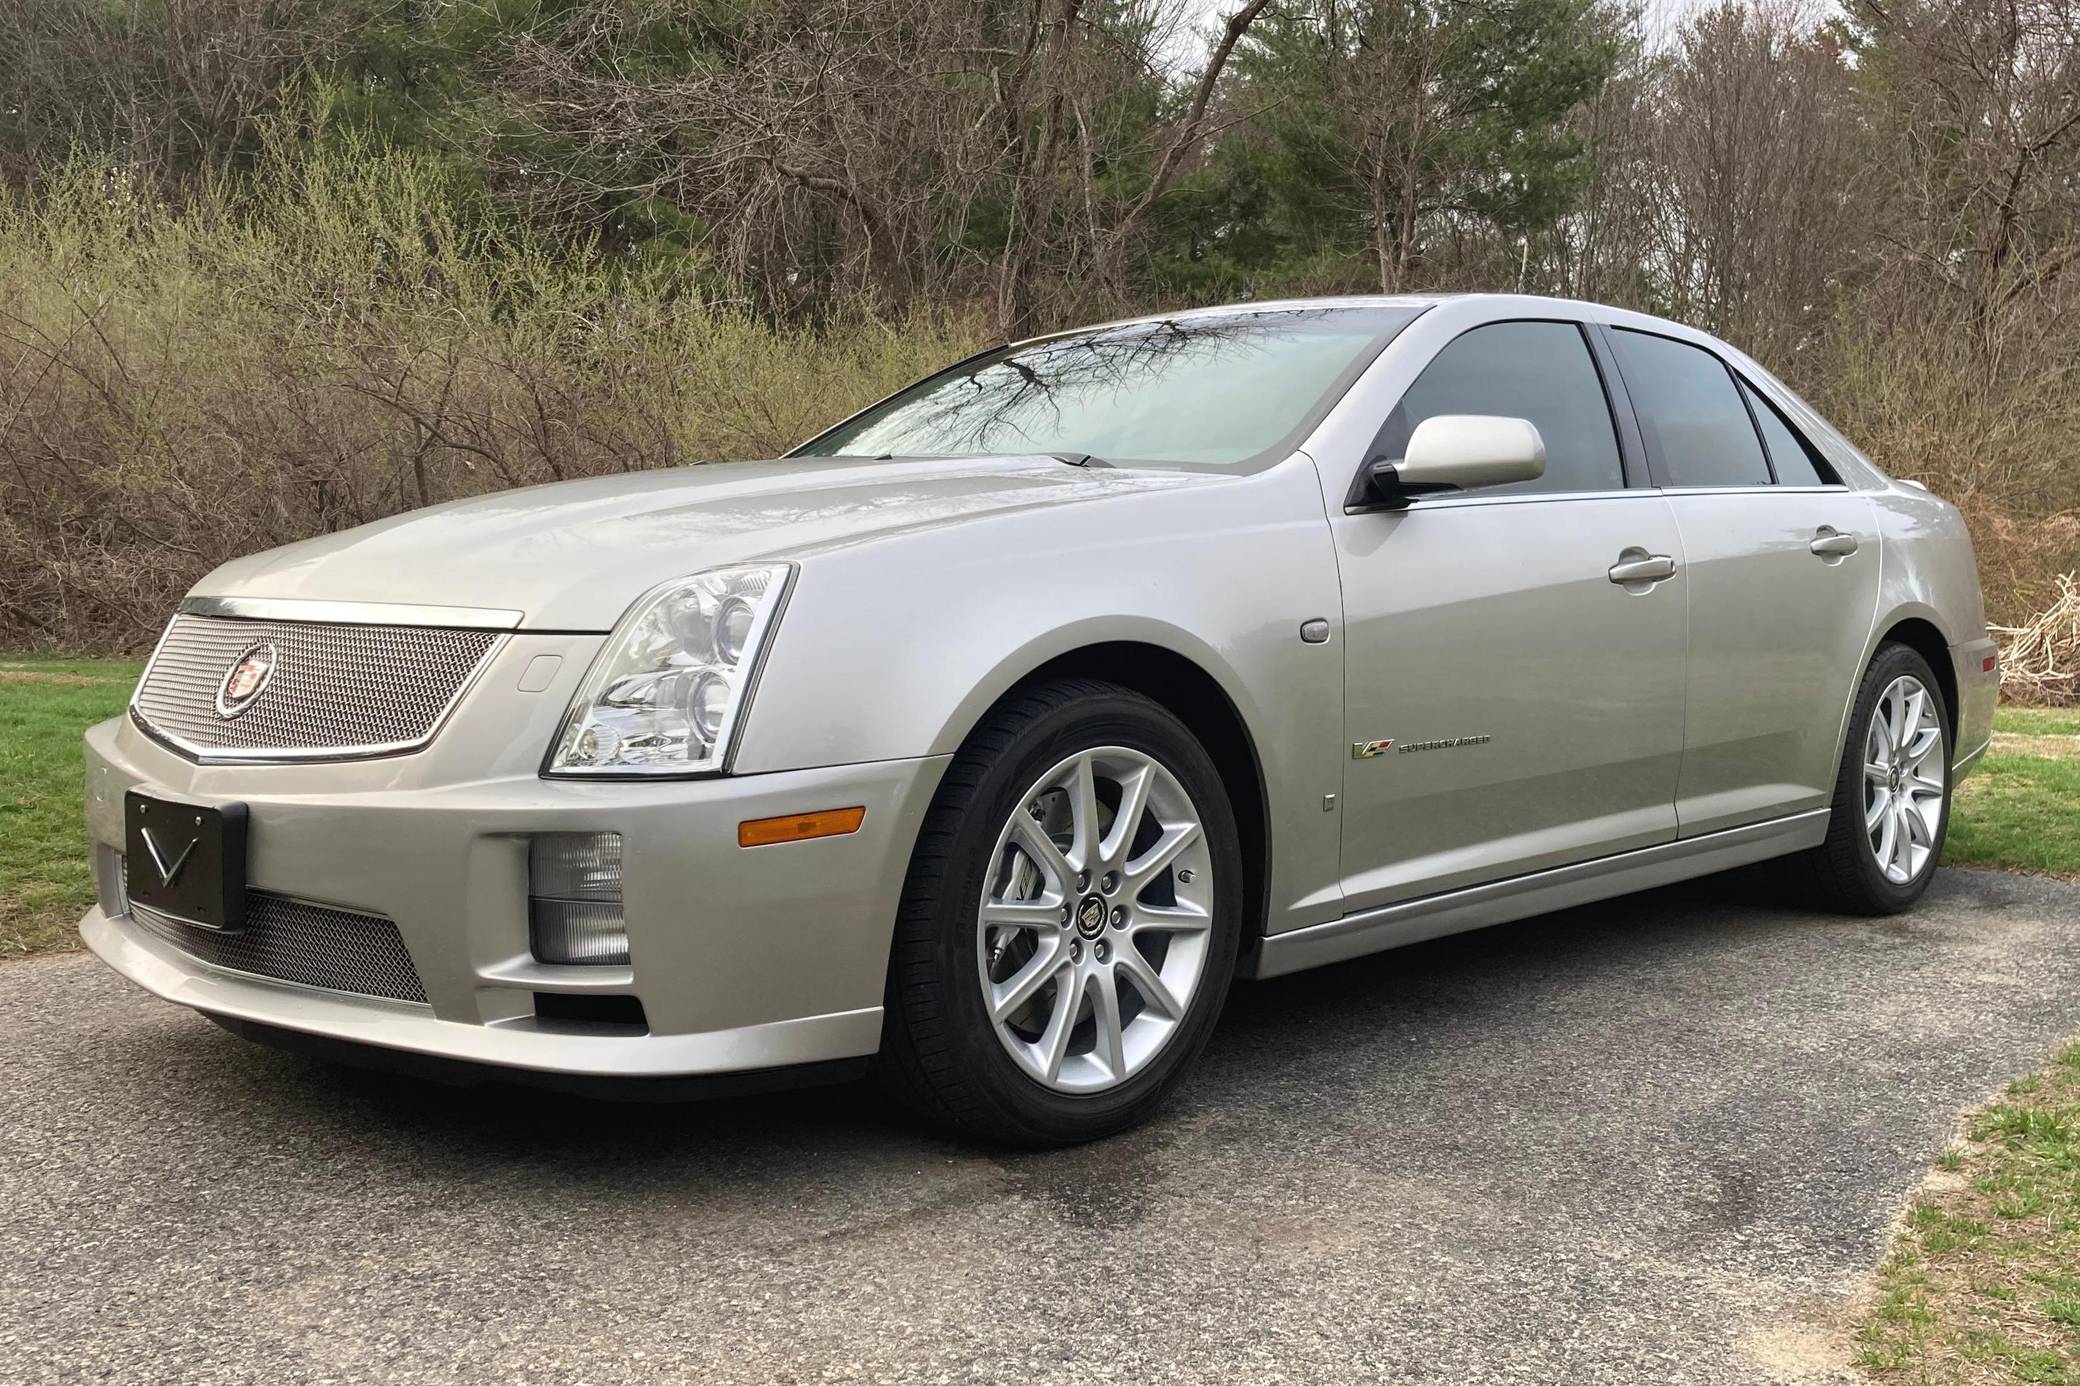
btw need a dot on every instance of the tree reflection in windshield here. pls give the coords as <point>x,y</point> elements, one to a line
<point>1215,389</point>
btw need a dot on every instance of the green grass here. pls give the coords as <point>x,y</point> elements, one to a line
<point>44,706</point>
<point>1983,1282</point>
<point>2019,810</point>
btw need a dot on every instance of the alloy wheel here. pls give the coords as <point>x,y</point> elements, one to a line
<point>1903,779</point>
<point>1095,920</point>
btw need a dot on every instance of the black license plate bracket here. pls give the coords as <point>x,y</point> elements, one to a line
<point>187,860</point>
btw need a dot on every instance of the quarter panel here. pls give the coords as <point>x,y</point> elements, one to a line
<point>895,649</point>
<point>1930,573</point>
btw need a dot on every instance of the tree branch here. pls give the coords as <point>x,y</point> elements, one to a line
<point>1188,133</point>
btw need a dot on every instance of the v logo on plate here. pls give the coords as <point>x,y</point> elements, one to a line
<point>168,872</point>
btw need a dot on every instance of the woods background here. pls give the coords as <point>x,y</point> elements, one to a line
<point>273,267</point>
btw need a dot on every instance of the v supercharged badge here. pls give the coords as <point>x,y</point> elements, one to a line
<point>1445,744</point>
<point>1366,750</point>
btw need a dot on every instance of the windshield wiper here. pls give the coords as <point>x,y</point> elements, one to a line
<point>1072,458</point>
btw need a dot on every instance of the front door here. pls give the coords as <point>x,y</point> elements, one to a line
<point>1512,703</point>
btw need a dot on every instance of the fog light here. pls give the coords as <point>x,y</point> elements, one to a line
<point>574,899</point>
<point>575,866</point>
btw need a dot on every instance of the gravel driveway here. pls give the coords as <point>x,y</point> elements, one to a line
<point>1658,1140</point>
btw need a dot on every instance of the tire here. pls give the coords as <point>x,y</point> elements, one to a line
<point>1018,1077</point>
<point>1846,869</point>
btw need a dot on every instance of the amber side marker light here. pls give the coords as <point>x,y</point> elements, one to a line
<point>799,827</point>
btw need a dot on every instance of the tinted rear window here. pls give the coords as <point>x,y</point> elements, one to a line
<point>1695,424</point>
<point>1790,454</point>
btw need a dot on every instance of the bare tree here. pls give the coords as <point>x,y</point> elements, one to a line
<point>1758,205</point>
<point>877,146</point>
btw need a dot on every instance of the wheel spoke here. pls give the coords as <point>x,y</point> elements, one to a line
<point>1054,1040</point>
<point>1083,810</point>
<point>1011,997</point>
<point>1881,734</point>
<point>1888,841</point>
<point>1170,919</point>
<point>1918,832</point>
<point>1898,730</point>
<point>1923,744</point>
<point>1881,804</point>
<point>1111,1045</point>
<point>1874,773</point>
<point>1034,842</point>
<point>1143,977</point>
<point>1146,867</point>
<point>1126,821</point>
<point>1921,784</point>
<point>1044,914</point>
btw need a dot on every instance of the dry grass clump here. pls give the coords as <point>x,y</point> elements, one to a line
<point>2040,659</point>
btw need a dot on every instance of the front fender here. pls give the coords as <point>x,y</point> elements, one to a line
<point>1083,634</point>
<point>896,648</point>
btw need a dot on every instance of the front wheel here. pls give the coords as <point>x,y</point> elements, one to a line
<point>1891,810</point>
<point>1070,923</point>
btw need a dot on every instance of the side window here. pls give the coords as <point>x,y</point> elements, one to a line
<point>1789,454</point>
<point>1693,418</point>
<point>1541,371</point>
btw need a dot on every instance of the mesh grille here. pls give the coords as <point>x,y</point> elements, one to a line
<point>311,945</point>
<point>337,690</point>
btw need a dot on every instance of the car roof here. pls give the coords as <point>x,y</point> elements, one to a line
<point>1504,305</point>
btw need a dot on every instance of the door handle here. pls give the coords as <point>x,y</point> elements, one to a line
<point>1830,542</point>
<point>1639,566</point>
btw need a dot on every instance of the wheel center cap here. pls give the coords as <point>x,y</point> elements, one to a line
<point>1090,917</point>
<point>1893,778</point>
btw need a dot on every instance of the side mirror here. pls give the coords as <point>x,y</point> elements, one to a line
<point>1455,452</point>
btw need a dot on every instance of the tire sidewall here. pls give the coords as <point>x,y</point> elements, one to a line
<point>1101,719</point>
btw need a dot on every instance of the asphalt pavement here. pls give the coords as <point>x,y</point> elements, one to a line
<point>1658,1140</point>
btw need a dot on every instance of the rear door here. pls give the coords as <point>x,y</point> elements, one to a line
<point>1782,569</point>
<point>1511,704</point>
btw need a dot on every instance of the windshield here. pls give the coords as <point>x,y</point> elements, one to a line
<point>1212,390</point>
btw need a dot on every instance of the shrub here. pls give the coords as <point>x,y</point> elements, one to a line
<point>344,333</point>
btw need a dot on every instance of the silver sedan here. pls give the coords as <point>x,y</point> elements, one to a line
<point>985,738</point>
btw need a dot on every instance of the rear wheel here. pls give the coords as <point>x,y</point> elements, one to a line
<point>1891,810</point>
<point>1069,927</point>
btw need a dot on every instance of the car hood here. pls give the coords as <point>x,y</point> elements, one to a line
<point>573,555</point>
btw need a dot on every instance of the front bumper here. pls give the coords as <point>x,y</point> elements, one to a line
<point>743,959</point>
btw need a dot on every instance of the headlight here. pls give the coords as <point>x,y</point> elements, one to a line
<point>666,694</point>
